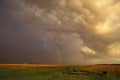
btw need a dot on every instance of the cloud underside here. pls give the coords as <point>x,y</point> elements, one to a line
<point>82,29</point>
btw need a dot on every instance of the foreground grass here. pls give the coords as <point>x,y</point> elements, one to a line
<point>49,74</point>
<point>32,74</point>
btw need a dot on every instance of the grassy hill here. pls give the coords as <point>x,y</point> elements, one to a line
<point>57,72</point>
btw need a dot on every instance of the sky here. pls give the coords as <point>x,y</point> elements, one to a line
<point>60,31</point>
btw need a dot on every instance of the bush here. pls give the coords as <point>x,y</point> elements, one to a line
<point>104,72</point>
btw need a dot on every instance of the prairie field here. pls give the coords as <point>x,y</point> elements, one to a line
<point>58,72</point>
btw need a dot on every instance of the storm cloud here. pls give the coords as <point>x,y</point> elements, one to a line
<point>81,31</point>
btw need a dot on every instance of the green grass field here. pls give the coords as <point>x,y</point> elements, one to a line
<point>49,74</point>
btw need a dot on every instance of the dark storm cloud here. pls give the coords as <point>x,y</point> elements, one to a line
<point>22,41</point>
<point>46,4</point>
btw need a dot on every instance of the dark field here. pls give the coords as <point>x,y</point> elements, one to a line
<point>57,72</point>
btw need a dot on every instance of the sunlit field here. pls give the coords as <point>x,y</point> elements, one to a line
<point>57,72</point>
